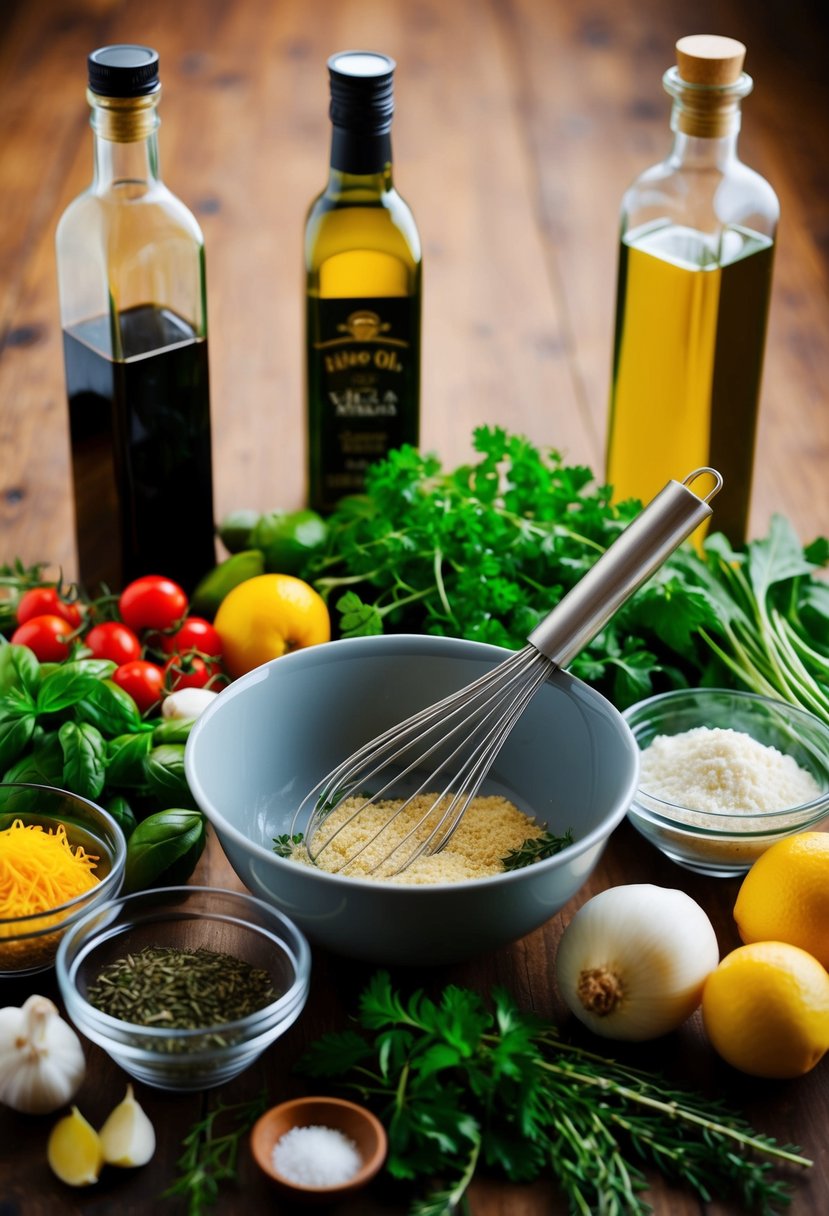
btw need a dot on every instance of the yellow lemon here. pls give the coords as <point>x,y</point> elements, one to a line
<point>266,617</point>
<point>766,1010</point>
<point>785,895</point>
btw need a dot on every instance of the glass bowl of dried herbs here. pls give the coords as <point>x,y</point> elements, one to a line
<point>61,855</point>
<point>184,987</point>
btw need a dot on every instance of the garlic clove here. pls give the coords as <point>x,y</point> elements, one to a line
<point>128,1136</point>
<point>74,1150</point>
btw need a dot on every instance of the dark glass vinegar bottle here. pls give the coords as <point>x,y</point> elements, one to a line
<point>363,291</point>
<point>131,281</point>
<point>695,270</point>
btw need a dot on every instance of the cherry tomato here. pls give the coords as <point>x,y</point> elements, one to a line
<point>46,636</point>
<point>195,633</point>
<point>45,601</point>
<point>187,671</point>
<point>112,640</point>
<point>152,602</point>
<point>144,681</point>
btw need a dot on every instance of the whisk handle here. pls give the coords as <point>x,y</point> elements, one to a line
<point>634,556</point>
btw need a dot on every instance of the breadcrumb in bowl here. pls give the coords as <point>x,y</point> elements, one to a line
<point>491,828</point>
<point>267,740</point>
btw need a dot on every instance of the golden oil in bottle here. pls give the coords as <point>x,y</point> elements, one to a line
<point>688,353</point>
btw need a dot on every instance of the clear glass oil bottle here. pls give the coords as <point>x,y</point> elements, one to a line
<point>363,291</point>
<point>694,281</point>
<point>131,281</point>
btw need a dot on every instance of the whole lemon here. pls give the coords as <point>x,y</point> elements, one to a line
<point>766,1010</point>
<point>785,895</point>
<point>266,617</point>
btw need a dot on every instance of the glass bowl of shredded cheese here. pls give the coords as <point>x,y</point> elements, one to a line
<point>724,774</point>
<point>60,856</point>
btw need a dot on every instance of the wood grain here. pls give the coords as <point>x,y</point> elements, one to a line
<point>519,123</point>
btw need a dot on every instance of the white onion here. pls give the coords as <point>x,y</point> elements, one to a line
<point>632,962</point>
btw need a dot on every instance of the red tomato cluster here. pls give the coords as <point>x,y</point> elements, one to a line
<point>153,622</point>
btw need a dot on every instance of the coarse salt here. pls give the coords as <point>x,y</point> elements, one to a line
<point>316,1156</point>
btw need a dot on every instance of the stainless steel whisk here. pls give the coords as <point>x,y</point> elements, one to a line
<point>461,735</point>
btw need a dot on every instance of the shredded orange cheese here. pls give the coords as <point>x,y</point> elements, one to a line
<point>39,870</point>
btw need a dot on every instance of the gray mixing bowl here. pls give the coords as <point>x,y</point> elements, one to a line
<point>252,756</point>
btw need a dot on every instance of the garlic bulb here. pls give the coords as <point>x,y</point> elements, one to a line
<point>632,962</point>
<point>41,1060</point>
<point>127,1137</point>
<point>74,1150</point>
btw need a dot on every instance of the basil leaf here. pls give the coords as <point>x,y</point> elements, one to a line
<point>122,813</point>
<point>172,730</point>
<point>63,687</point>
<point>164,849</point>
<point>84,753</point>
<point>166,777</point>
<point>16,733</point>
<point>19,669</point>
<point>43,766</point>
<point>126,755</point>
<point>111,709</point>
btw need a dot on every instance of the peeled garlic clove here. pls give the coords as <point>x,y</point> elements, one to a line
<point>127,1137</point>
<point>74,1150</point>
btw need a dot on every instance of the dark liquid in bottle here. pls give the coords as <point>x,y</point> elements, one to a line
<point>139,422</point>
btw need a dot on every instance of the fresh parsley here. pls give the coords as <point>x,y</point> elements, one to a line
<point>484,551</point>
<point>459,1084</point>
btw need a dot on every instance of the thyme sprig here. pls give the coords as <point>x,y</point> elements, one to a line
<point>458,1083</point>
<point>536,848</point>
<point>210,1156</point>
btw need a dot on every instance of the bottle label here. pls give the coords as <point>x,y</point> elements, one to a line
<point>363,388</point>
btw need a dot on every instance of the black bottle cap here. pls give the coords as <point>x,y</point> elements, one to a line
<point>123,71</point>
<point>362,91</point>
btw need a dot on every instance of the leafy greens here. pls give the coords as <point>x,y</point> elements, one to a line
<point>486,550</point>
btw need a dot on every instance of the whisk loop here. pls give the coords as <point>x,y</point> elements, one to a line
<point>447,749</point>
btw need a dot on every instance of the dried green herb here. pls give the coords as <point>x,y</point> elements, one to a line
<point>178,989</point>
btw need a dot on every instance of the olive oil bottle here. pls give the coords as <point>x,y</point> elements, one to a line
<point>130,260</point>
<point>363,291</point>
<point>694,280</point>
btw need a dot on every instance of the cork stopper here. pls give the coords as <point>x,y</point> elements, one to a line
<point>707,84</point>
<point>709,59</point>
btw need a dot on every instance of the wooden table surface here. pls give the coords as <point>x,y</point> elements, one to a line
<point>519,124</point>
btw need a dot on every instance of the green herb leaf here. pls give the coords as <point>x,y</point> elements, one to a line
<point>84,756</point>
<point>16,732</point>
<point>164,849</point>
<point>284,845</point>
<point>19,670</point>
<point>211,1151</point>
<point>70,683</point>
<point>536,848</point>
<point>111,709</point>
<point>126,760</point>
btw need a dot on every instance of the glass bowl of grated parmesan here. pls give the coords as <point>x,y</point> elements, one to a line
<point>724,774</point>
<point>60,856</point>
